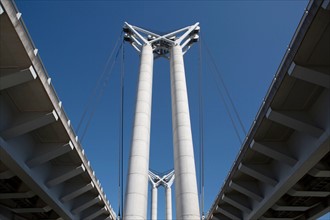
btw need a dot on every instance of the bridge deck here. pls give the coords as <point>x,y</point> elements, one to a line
<point>283,170</point>
<point>44,173</point>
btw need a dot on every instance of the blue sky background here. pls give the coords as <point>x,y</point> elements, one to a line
<point>247,39</point>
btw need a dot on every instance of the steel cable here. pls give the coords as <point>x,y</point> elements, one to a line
<point>219,81</point>
<point>97,85</point>
<point>225,88</point>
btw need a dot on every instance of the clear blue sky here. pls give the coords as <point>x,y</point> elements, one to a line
<point>247,39</point>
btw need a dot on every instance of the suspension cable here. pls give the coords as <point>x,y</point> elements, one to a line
<point>227,108</point>
<point>97,85</point>
<point>225,88</point>
<point>214,70</point>
<point>121,134</point>
<point>100,94</point>
<point>201,129</point>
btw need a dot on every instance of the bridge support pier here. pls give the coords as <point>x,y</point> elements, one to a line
<point>168,193</point>
<point>154,196</point>
<point>172,46</point>
<point>136,199</point>
<point>187,206</point>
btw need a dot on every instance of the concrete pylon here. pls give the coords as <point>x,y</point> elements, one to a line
<point>187,206</point>
<point>171,46</point>
<point>154,196</point>
<point>136,198</point>
<point>168,193</point>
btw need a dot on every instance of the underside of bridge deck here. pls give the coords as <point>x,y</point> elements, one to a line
<point>44,173</point>
<point>283,168</point>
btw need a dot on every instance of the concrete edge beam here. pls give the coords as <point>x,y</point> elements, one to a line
<point>17,195</point>
<point>309,75</point>
<point>252,171</point>
<point>78,192</point>
<point>29,125</point>
<point>270,151</point>
<point>316,172</point>
<point>86,205</point>
<point>7,174</point>
<point>241,205</point>
<point>51,154</point>
<point>96,214</point>
<point>219,216</point>
<point>295,120</point>
<point>32,210</point>
<point>74,171</point>
<point>304,193</point>
<point>230,212</point>
<point>246,189</point>
<point>289,208</point>
<point>8,80</point>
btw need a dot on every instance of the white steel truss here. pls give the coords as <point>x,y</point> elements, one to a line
<point>166,181</point>
<point>161,44</point>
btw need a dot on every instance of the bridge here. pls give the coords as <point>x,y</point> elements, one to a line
<point>282,170</point>
<point>44,173</point>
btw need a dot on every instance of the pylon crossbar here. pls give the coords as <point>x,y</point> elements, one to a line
<point>154,179</point>
<point>161,44</point>
<point>166,180</point>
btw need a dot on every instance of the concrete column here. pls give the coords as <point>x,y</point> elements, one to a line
<point>154,203</point>
<point>168,193</point>
<point>186,194</point>
<point>136,198</point>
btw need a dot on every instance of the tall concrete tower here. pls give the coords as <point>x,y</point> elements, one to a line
<point>171,46</point>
